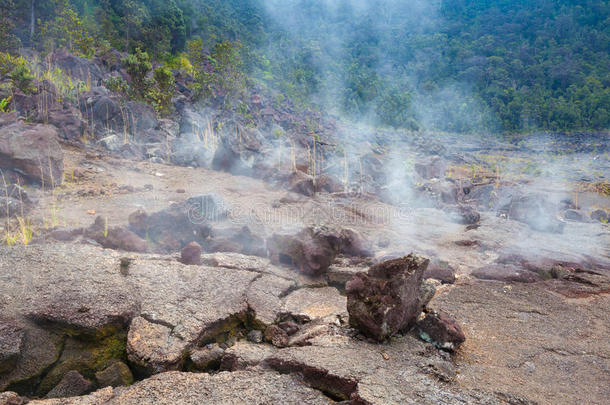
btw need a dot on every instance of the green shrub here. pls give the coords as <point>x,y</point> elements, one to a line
<point>138,66</point>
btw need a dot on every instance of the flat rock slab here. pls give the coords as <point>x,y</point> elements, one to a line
<point>165,308</point>
<point>308,304</point>
<point>551,347</point>
<point>241,387</point>
<point>395,373</point>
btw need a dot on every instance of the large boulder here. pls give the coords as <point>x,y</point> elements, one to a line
<point>387,299</point>
<point>11,342</point>
<point>69,122</point>
<point>32,150</point>
<point>79,69</point>
<point>238,150</point>
<point>313,249</point>
<point>433,167</point>
<point>115,237</point>
<point>172,228</point>
<point>536,211</point>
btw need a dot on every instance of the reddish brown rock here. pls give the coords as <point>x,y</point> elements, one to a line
<point>387,299</point>
<point>191,254</point>
<point>506,272</point>
<point>441,330</point>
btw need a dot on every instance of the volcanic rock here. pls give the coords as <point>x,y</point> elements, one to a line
<point>240,387</point>
<point>115,237</point>
<point>181,223</point>
<point>207,357</point>
<point>387,299</point>
<point>11,343</point>
<point>276,336</point>
<point>191,254</point>
<point>308,304</point>
<point>433,167</point>
<point>115,375</point>
<point>441,330</point>
<point>536,211</point>
<point>599,216</point>
<point>73,384</point>
<point>243,355</point>
<point>574,215</point>
<point>302,183</point>
<point>441,271</point>
<point>34,151</point>
<point>463,214</point>
<point>79,69</point>
<point>313,249</point>
<point>505,272</point>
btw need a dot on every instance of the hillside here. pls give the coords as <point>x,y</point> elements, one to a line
<point>459,66</point>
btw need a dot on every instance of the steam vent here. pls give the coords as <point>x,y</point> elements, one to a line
<point>368,202</point>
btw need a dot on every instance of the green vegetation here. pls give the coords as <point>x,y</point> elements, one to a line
<point>459,66</point>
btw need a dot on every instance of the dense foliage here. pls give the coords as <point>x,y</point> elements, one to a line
<point>459,65</point>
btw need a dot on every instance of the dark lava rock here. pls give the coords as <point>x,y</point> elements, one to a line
<point>329,184</point>
<point>11,343</point>
<point>574,215</point>
<point>463,214</point>
<point>69,122</point>
<point>115,375</point>
<point>181,223</point>
<point>506,272</point>
<point>78,69</point>
<point>387,299</point>
<point>441,330</point>
<point>599,216</point>
<point>440,270</point>
<point>207,357</point>
<point>536,211</point>
<point>276,336</point>
<point>191,254</point>
<point>313,249</point>
<point>34,151</point>
<point>302,183</point>
<point>73,384</point>
<point>115,237</point>
<point>255,336</point>
<point>433,167</point>
<point>235,238</point>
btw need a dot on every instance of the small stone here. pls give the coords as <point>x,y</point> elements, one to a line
<point>73,384</point>
<point>290,327</point>
<point>441,330</point>
<point>276,336</point>
<point>191,254</point>
<point>115,375</point>
<point>207,357</point>
<point>599,216</point>
<point>574,215</point>
<point>255,336</point>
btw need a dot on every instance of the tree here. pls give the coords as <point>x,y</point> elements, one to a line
<point>66,30</point>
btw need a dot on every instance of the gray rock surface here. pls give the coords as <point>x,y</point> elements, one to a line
<point>241,387</point>
<point>73,384</point>
<point>34,150</point>
<point>371,374</point>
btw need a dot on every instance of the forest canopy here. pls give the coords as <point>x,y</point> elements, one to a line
<point>459,65</point>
